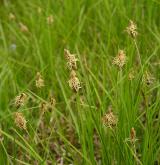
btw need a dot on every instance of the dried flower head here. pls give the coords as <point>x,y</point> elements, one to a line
<point>20,100</point>
<point>23,28</point>
<point>50,19</point>
<point>12,16</point>
<point>43,107</point>
<point>39,80</point>
<point>20,121</point>
<point>148,78</point>
<point>74,82</point>
<point>52,102</point>
<point>133,135</point>
<point>120,59</point>
<point>71,60</point>
<point>132,29</point>
<point>109,119</point>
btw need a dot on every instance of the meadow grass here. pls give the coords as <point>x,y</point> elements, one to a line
<point>102,114</point>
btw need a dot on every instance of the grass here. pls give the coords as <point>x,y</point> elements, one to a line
<point>73,132</point>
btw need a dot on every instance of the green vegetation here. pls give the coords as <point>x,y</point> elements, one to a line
<point>114,117</point>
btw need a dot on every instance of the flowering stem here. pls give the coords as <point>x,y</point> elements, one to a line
<point>138,53</point>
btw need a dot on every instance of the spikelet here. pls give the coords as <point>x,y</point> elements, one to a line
<point>12,16</point>
<point>39,80</point>
<point>132,29</point>
<point>43,107</point>
<point>71,60</point>
<point>120,59</point>
<point>74,82</point>
<point>133,135</point>
<point>52,102</point>
<point>133,140</point>
<point>50,20</point>
<point>23,28</point>
<point>109,119</point>
<point>20,121</point>
<point>20,100</point>
<point>148,79</point>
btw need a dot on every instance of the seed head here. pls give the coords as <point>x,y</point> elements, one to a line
<point>110,120</point>
<point>39,80</point>
<point>50,19</point>
<point>120,59</point>
<point>52,102</point>
<point>12,16</point>
<point>20,121</point>
<point>71,60</point>
<point>20,100</point>
<point>133,135</point>
<point>148,78</point>
<point>23,28</point>
<point>132,29</point>
<point>74,82</point>
<point>43,107</point>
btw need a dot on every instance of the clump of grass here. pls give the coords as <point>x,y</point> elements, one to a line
<point>71,131</point>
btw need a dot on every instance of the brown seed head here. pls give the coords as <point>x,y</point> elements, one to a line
<point>52,102</point>
<point>133,135</point>
<point>43,107</point>
<point>74,82</point>
<point>148,79</point>
<point>39,80</point>
<point>71,60</point>
<point>23,28</point>
<point>132,29</point>
<point>20,121</point>
<point>20,100</point>
<point>50,19</point>
<point>120,59</point>
<point>109,119</point>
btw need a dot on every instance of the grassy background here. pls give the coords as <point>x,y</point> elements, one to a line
<point>73,131</point>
